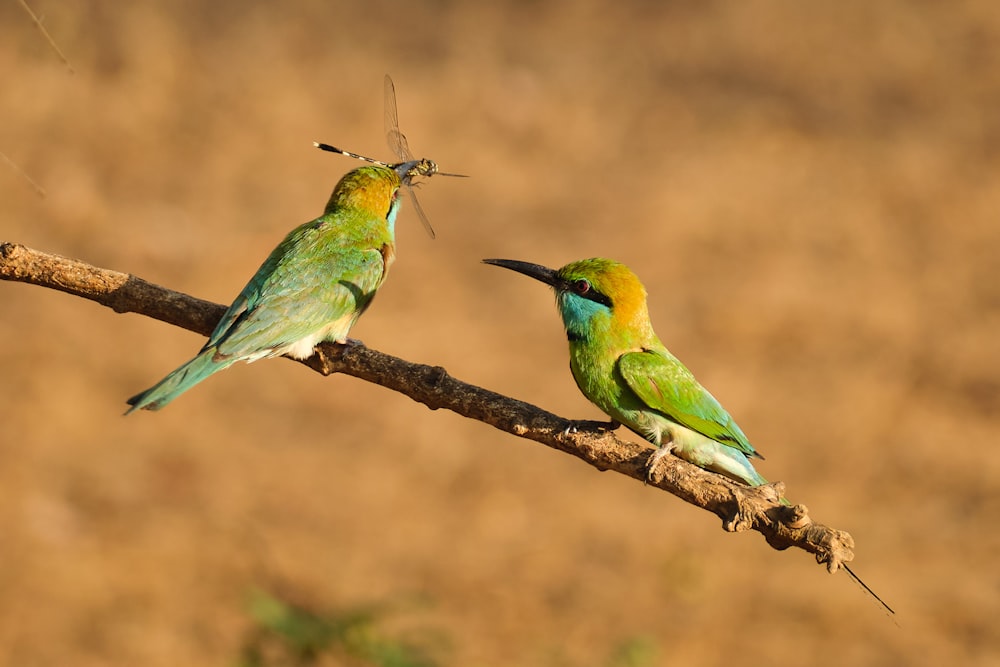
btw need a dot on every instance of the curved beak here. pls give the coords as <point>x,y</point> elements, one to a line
<point>536,271</point>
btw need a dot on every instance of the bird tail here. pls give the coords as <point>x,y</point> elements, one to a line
<point>175,384</point>
<point>850,572</point>
<point>736,465</point>
<point>752,477</point>
<point>868,590</point>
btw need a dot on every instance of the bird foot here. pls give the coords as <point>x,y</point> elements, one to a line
<point>653,462</point>
<point>590,426</point>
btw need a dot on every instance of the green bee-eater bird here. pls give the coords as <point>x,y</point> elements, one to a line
<point>312,287</point>
<point>622,367</point>
<point>316,284</point>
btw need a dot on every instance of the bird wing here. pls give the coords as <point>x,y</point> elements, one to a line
<point>663,383</point>
<point>311,280</point>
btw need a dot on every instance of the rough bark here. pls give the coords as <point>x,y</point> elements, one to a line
<point>740,507</point>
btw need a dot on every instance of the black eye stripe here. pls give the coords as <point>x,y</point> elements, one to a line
<point>583,288</point>
<point>597,297</point>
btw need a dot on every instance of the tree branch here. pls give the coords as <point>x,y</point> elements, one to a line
<point>740,507</point>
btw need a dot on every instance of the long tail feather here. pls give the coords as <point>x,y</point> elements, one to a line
<point>175,384</point>
<point>851,574</point>
<point>863,585</point>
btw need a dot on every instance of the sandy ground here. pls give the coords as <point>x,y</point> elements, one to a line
<point>810,192</point>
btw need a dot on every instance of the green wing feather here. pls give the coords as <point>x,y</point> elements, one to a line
<point>311,279</point>
<point>663,383</point>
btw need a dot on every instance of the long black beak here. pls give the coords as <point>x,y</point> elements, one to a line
<point>536,271</point>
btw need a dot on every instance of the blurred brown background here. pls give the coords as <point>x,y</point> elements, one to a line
<point>808,190</point>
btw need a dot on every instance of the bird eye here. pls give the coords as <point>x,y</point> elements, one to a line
<point>581,286</point>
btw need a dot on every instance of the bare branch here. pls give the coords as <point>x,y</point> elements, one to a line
<point>121,292</point>
<point>740,507</point>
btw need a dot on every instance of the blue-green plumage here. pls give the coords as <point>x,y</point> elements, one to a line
<point>311,288</point>
<point>623,368</point>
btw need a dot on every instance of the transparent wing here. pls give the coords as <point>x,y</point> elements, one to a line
<point>400,148</point>
<point>397,142</point>
<point>420,211</point>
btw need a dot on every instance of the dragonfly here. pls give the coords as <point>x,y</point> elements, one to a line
<point>412,167</point>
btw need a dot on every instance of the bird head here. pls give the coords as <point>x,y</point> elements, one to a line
<point>590,293</point>
<point>372,188</point>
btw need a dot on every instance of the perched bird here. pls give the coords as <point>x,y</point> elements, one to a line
<point>622,367</point>
<point>311,288</point>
